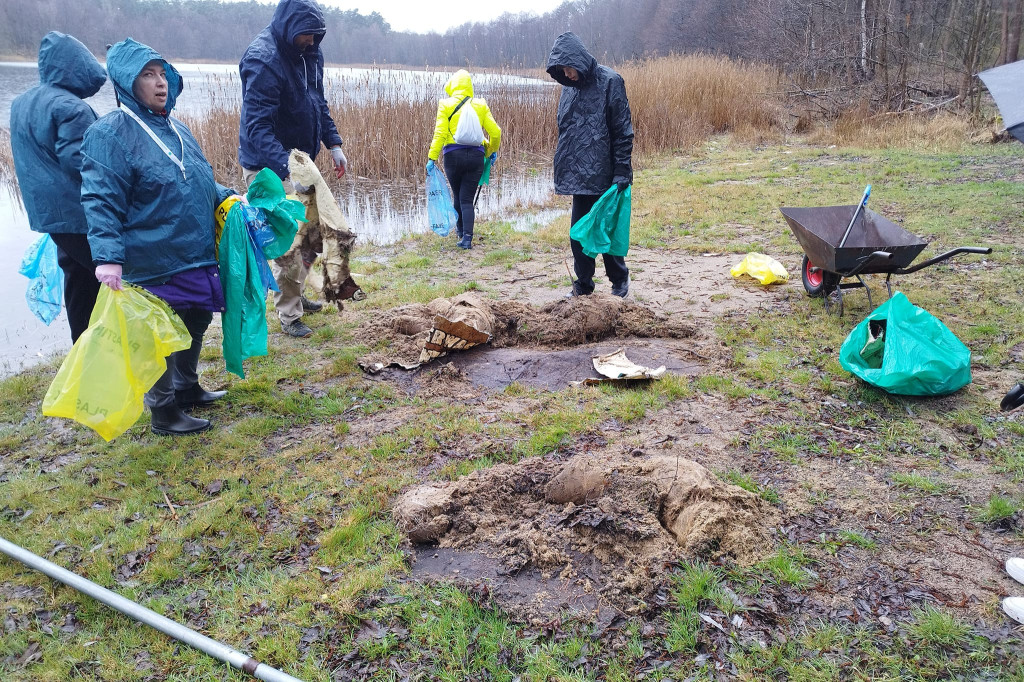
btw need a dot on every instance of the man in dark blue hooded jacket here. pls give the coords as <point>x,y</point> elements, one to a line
<point>284,108</point>
<point>47,125</point>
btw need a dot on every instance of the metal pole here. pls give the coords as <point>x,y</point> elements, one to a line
<point>860,206</point>
<point>210,647</point>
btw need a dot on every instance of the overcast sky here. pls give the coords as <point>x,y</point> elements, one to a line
<point>424,16</point>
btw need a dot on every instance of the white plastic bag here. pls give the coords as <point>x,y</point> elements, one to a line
<point>468,130</point>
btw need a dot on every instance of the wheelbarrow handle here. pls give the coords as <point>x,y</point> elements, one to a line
<point>981,250</point>
<point>868,260</point>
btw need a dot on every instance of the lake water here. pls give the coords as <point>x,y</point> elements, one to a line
<point>377,213</point>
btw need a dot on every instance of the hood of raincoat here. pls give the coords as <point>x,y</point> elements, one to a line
<point>569,50</point>
<point>68,64</point>
<point>283,103</point>
<point>47,126</point>
<point>460,85</point>
<point>595,129</point>
<point>126,60</point>
<point>294,18</point>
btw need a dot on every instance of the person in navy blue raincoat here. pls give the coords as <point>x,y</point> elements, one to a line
<point>149,197</point>
<point>47,125</point>
<point>284,108</point>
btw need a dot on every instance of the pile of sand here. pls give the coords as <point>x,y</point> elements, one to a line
<point>610,527</point>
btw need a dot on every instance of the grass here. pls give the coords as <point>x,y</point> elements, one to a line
<point>282,542</point>
<point>998,509</point>
<point>917,482</point>
<point>746,482</point>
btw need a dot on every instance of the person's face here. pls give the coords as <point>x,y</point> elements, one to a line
<point>150,87</point>
<point>304,41</point>
<point>571,73</point>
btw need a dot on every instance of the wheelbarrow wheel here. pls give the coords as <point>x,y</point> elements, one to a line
<point>817,283</point>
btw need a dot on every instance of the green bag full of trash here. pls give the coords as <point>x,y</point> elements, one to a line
<point>904,349</point>
<point>605,229</point>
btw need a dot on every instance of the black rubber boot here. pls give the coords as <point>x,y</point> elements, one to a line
<point>171,421</point>
<point>1013,399</point>
<point>197,396</point>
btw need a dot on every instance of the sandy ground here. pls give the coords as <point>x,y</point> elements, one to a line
<point>929,549</point>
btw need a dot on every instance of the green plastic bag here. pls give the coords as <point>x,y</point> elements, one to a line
<point>919,355</point>
<point>605,229</point>
<point>267,194</point>
<point>485,179</point>
<point>115,361</point>
<point>252,234</point>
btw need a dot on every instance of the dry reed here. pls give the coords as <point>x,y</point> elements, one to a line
<point>680,101</point>
<point>8,180</point>
<point>903,129</point>
<point>388,121</point>
<point>387,117</point>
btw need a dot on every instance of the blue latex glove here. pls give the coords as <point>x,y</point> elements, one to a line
<point>430,164</point>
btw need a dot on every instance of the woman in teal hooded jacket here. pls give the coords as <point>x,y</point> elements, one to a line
<point>149,197</point>
<point>47,125</point>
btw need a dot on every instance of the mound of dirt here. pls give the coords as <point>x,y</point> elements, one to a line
<point>398,335</point>
<point>608,527</point>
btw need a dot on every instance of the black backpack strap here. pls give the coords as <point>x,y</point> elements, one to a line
<point>464,100</point>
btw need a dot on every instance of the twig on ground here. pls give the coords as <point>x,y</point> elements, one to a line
<point>522,279</point>
<point>174,514</point>
<point>840,428</point>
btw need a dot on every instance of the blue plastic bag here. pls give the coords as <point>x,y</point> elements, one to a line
<point>46,279</point>
<point>440,210</point>
<point>904,349</point>
<point>260,236</point>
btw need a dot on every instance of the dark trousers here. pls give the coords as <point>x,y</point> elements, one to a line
<point>464,168</point>
<point>183,365</point>
<point>80,283</point>
<point>584,265</point>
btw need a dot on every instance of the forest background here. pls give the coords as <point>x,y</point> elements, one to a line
<point>912,51</point>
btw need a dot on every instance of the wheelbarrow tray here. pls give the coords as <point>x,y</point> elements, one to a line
<point>820,229</point>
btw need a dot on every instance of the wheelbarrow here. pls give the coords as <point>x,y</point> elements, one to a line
<point>847,242</point>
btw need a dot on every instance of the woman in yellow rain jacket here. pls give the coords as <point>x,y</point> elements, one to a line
<point>464,148</point>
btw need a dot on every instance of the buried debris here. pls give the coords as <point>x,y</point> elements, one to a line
<point>605,527</point>
<point>616,368</point>
<point>403,333</point>
<point>458,324</point>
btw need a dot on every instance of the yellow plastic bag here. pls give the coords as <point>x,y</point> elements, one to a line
<point>764,269</point>
<point>115,361</point>
<point>220,216</point>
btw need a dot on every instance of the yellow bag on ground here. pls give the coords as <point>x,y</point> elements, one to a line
<point>764,269</point>
<point>115,361</point>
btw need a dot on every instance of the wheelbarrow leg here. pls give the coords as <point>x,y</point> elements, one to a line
<point>888,284</point>
<point>868,290</point>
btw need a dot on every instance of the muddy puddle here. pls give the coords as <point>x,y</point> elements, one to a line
<point>525,591</point>
<point>495,369</point>
<point>547,347</point>
<point>602,529</point>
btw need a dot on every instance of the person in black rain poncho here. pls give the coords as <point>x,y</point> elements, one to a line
<point>595,147</point>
